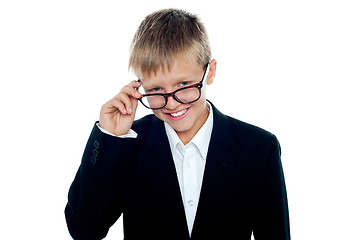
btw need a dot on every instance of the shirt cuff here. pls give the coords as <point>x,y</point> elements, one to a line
<point>131,133</point>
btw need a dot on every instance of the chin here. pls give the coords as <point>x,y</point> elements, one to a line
<point>180,127</point>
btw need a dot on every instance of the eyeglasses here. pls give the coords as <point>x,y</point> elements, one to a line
<point>186,95</point>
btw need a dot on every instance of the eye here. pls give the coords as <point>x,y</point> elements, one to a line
<point>153,90</point>
<point>184,84</point>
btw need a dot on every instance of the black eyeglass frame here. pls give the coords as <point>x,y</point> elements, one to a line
<point>172,94</point>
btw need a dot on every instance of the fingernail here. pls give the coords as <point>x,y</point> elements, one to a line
<point>129,110</point>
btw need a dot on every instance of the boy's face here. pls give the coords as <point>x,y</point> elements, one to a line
<point>186,119</point>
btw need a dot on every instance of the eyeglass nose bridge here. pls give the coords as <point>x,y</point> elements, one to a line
<point>167,95</point>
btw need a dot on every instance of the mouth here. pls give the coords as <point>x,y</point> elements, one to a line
<point>178,115</point>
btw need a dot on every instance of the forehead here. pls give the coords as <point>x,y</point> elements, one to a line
<point>179,71</point>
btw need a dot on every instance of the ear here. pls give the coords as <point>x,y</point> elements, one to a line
<point>212,71</point>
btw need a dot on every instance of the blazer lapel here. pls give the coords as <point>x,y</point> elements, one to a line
<point>159,160</point>
<point>219,159</point>
<point>160,168</point>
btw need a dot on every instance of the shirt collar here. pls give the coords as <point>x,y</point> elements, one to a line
<point>200,140</point>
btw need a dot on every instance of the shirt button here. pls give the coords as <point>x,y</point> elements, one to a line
<point>188,164</point>
<point>190,203</point>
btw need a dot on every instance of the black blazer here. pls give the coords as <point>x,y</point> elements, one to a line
<point>243,188</point>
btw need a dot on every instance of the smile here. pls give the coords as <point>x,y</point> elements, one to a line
<point>178,115</point>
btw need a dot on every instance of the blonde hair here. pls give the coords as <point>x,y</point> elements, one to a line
<point>165,36</point>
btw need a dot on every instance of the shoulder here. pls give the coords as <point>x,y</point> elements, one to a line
<point>251,134</point>
<point>256,141</point>
<point>245,134</point>
<point>240,129</point>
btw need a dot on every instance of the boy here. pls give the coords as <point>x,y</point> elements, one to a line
<point>186,172</point>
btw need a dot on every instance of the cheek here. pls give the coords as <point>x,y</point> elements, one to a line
<point>202,99</point>
<point>203,93</point>
<point>199,106</point>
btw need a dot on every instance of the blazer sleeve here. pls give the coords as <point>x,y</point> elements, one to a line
<point>94,199</point>
<point>272,217</point>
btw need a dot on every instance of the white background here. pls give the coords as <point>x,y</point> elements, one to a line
<point>291,67</point>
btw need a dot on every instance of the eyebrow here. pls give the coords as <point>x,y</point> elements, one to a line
<point>179,80</point>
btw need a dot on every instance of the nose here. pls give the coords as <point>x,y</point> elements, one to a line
<point>172,103</point>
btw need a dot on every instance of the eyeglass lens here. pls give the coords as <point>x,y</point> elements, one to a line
<point>186,95</point>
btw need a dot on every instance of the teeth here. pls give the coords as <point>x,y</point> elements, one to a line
<point>177,114</point>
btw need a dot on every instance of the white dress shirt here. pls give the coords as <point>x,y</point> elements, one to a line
<point>189,161</point>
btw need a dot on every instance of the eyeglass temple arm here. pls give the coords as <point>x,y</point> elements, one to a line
<point>139,82</point>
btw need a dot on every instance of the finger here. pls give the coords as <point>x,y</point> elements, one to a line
<point>126,100</point>
<point>115,105</point>
<point>136,83</point>
<point>131,90</point>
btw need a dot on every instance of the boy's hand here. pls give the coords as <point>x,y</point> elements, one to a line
<point>117,115</point>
